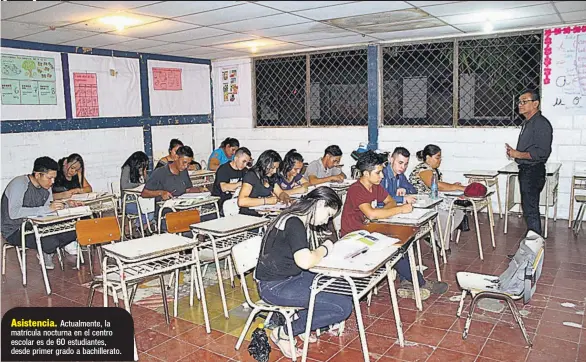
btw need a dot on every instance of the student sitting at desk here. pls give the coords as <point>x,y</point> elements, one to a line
<point>259,185</point>
<point>171,180</point>
<point>70,178</point>
<point>224,154</point>
<point>229,177</point>
<point>327,168</point>
<point>134,174</point>
<point>31,195</point>
<point>290,178</point>
<point>286,254</point>
<point>421,177</point>
<point>394,180</point>
<point>173,147</point>
<point>359,206</point>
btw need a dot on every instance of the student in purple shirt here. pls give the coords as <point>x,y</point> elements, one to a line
<point>394,180</point>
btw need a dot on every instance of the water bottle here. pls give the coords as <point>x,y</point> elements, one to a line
<point>434,191</point>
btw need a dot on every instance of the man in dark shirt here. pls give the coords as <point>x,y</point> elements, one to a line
<point>229,176</point>
<point>533,150</point>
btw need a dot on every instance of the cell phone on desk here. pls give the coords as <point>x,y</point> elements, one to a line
<point>357,253</point>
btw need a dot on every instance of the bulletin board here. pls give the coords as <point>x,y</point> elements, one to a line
<point>241,107</point>
<point>564,71</point>
<point>179,88</point>
<point>104,86</point>
<point>32,85</point>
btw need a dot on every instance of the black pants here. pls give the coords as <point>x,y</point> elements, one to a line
<point>531,183</point>
<point>48,243</point>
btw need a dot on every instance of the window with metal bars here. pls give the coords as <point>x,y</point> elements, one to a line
<point>336,94</point>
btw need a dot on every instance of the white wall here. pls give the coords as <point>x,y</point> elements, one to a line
<point>463,149</point>
<point>196,136</point>
<point>103,151</point>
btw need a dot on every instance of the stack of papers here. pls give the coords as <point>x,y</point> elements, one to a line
<point>88,196</point>
<point>413,216</point>
<point>80,210</point>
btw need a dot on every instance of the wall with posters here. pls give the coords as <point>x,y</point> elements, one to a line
<point>57,100</point>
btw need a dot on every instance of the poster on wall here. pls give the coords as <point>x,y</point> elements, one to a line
<point>229,82</point>
<point>28,80</point>
<point>564,70</point>
<point>85,87</point>
<point>167,79</point>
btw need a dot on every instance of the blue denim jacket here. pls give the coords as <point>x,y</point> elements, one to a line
<point>392,183</point>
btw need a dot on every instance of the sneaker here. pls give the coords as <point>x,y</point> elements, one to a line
<point>48,258</point>
<point>406,291</point>
<point>71,248</point>
<point>436,287</point>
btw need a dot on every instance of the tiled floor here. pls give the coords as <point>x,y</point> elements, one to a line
<point>433,334</point>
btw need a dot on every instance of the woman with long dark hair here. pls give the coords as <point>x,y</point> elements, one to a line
<point>223,154</point>
<point>134,173</point>
<point>70,178</point>
<point>259,185</point>
<point>290,247</point>
<point>290,178</point>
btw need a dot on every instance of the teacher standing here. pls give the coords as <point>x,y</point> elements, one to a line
<point>533,150</point>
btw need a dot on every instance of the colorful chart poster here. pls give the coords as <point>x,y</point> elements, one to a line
<point>85,86</point>
<point>28,80</point>
<point>229,81</point>
<point>167,79</point>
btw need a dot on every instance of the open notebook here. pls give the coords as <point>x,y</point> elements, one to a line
<point>191,195</point>
<point>413,216</point>
<point>79,210</point>
<point>360,242</point>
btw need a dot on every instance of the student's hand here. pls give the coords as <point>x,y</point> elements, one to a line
<point>406,208</point>
<point>74,203</point>
<point>285,198</point>
<point>166,195</point>
<point>337,178</point>
<point>329,245</point>
<point>401,192</point>
<point>57,205</point>
<point>410,199</point>
<point>458,183</point>
<point>76,191</point>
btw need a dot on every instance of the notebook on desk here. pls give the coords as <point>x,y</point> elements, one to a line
<point>191,195</point>
<point>88,196</point>
<point>413,216</point>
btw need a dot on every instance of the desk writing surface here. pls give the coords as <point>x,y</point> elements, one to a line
<point>550,168</point>
<point>54,218</point>
<point>201,173</point>
<point>481,173</point>
<point>401,232</point>
<point>417,217</point>
<point>426,202</point>
<point>149,247</point>
<point>230,224</point>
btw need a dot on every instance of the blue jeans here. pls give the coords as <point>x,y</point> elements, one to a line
<point>131,208</point>
<point>404,270</point>
<point>294,291</point>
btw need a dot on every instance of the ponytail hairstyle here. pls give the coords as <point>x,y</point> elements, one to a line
<point>174,143</point>
<point>429,150</point>
<point>230,142</point>
<point>289,162</point>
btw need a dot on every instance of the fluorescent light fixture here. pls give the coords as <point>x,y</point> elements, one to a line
<point>120,22</point>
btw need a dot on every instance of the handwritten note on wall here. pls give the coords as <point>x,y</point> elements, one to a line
<point>564,70</point>
<point>85,86</point>
<point>167,79</point>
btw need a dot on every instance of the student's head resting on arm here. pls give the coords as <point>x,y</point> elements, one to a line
<point>70,178</point>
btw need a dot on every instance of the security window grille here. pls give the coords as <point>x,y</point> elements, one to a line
<point>492,74</point>
<point>337,93</point>
<point>418,85</point>
<point>280,91</point>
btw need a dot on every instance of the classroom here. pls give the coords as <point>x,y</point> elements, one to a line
<point>335,180</point>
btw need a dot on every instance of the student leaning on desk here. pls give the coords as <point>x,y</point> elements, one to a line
<point>282,271</point>
<point>327,168</point>
<point>70,179</point>
<point>31,195</point>
<point>359,207</point>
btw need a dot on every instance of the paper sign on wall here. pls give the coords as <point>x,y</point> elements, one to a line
<point>167,79</point>
<point>28,80</point>
<point>85,87</point>
<point>564,70</point>
<point>229,82</point>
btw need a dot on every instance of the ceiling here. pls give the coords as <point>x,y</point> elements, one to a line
<point>226,29</point>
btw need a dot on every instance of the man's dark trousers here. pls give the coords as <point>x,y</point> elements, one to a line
<point>531,183</point>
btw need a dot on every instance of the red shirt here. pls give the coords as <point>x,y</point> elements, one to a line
<point>352,217</point>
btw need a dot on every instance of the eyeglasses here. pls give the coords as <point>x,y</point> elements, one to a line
<point>524,102</point>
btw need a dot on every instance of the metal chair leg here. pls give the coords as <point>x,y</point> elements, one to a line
<point>164,295</point>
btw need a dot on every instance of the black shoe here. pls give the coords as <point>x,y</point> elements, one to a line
<point>511,256</point>
<point>464,224</point>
